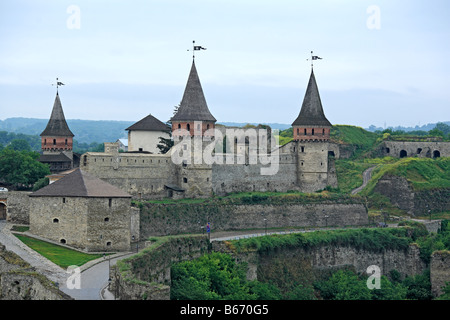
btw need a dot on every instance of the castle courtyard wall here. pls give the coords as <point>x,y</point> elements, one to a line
<point>90,224</point>
<point>139,174</point>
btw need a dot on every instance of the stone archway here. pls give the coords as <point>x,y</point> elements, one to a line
<point>403,153</point>
<point>436,154</point>
<point>2,211</point>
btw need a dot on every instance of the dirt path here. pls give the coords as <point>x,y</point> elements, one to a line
<point>367,174</point>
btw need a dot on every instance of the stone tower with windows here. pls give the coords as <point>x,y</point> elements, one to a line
<point>193,129</point>
<point>311,132</point>
<point>57,141</point>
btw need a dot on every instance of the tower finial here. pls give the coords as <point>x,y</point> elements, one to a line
<point>313,58</point>
<point>195,48</point>
<point>58,83</point>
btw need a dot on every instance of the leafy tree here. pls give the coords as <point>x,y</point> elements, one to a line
<point>344,285</point>
<point>19,145</point>
<point>389,290</point>
<point>165,144</point>
<point>21,168</point>
<point>212,276</point>
<point>419,286</point>
<point>264,291</point>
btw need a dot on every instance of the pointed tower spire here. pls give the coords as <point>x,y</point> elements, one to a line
<point>311,123</point>
<point>57,125</point>
<point>193,106</point>
<point>57,136</point>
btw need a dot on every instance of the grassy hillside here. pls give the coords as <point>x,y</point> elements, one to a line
<point>363,140</point>
<point>422,173</point>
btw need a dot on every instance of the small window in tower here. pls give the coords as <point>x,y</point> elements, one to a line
<point>323,131</point>
<point>305,132</point>
<point>64,200</point>
<point>63,241</point>
<point>56,220</point>
<point>185,180</point>
<point>303,149</point>
<point>66,142</point>
<point>108,244</point>
<point>188,127</point>
<point>312,131</point>
<point>110,202</point>
<point>207,126</point>
<point>54,141</point>
<point>45,142</point>
<point>179,126</point>
<point>106,219</point>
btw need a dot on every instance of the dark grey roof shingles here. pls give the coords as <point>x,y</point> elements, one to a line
<point>80,184</point>
<point>149,123</point>
<point>311,113</point>
<point>57,125</point>
<point>193,106</point>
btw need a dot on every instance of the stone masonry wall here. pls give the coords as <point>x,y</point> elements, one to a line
<point>439,271</point>
<point>18,281</point>
<point>166,219</point>
<point>419,149</point>
<point>148,275</point>
<point>401,194</point>
<point>17,206</point>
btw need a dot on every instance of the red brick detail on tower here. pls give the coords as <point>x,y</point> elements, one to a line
<point>56,143</point>
<point>195,128</point>
<point>311,133</point>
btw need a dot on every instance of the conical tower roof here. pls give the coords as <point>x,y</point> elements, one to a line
<point>57,125</point>
<point>311,113</point>
<point>193,106</point>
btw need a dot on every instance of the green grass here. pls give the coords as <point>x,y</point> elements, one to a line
<point>363,140</point>
<point>61,256</point>
<point>422,173</point>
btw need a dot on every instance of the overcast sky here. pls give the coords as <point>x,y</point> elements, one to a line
<point>383,62</point>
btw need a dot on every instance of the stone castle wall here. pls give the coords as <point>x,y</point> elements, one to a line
<point>420,149</point>
<point>91,224</point>
<point>167,219</point>
<point>148,275</point>
<point>139,174</point>
<point>300,166</point>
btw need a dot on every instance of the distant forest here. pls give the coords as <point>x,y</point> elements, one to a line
<point>91,134</point>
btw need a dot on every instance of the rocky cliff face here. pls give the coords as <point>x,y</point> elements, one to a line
<point>19,281</point>
<point>439,271</point>
<point>402,195</point>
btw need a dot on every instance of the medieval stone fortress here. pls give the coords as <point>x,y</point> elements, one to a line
<point>87,205</point>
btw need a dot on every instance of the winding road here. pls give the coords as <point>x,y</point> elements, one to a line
<point>93,276</point>
<point>367,174</point>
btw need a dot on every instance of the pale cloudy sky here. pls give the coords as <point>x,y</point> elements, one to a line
<point>384,62</point>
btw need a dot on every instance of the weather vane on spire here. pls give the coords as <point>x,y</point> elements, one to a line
<point>313,58</point>
<point>58,83</point>
<point>195,48</point>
